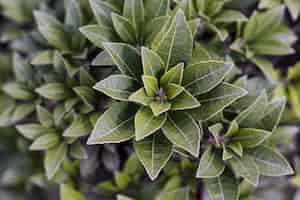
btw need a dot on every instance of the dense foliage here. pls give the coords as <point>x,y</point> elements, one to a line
<point>148,99</point>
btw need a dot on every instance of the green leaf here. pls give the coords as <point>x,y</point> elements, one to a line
<point>224,187</point>
<point>156,8</point>
<point>134,11</point>
<point>102,11</point>
<point>227,153</point>
<point>43,58</point>
<point>45,142</point>
<point>250,137</point>
<point>54,158</point>
<point>273,115</point>
<point>103,59</point>
<point>22,111</point>
<point>118,87</point>
<point>216,100</point>
<point>246,168</point>
<point>18,91</point>
<point>31,131</point>
<point>182,130</point>
<point>154,153</point>
<point>159,107</point>
<point>44,116</point>
<point>22,70</point>
<point>232,129</point>
<point>69,193</point>
<point>124,28</point>
<point>211,164</point>
<point>80,126</point>
<point>115,125</point>
<point>184,101</point>
<point>254,113</point>
<point>237,148</point>
<point>98,34</point>
<point>154,30</point>
<point>122,197</point>
<point>152,63</point>
<point>54,91</point>
<point>78,151</point>
<point>52,30</point>
<point>270,162</point>
<point>126,57</point>
<point>86,94</point>
<point>173,90</point>
<point>174,75</point>
<point>140,97</point>
<point>294,8</point>
<point>230,16</point>
<point>175,194</point>
<point>202,77</point>
<point>150,85</point>
<point>177,43</point>
<point>146,123</point>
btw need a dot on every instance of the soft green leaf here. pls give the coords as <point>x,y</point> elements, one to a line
<point>52,30</point>
<point>103,59</point>
<point>54,158</point>
<point>122,180</point>
<point>154,153</point>
<point>78,151</point>
<point>270,162</point>
<point>202,77</point>
<point>18,91</point>
<point>232,129</point>
<point>42,58</point>
<point>126,57</point>
<point>177,43</point>
<point>124,28</point>
<point>156,8</point>
<point>31,131</point>
<point>174,75</point>
<point>224,187</point>
<point>173,90</point>
<point>118,87</point>
<point>294,8</point>
<point>216,100</point>
<point>67,192</point>
<point>211,164</point>
<point>230,16</point>
<point>152,63</point>
<point>150,85</point>
<point>249,117</point>
<point>183,131</point>
<point>54,91</point>
<point>80,126</point>
<point>146,123</point>
<point>22,111</point>
<point>44,116</point>
<point>184,101</point>
<point>159,108</point>
<point>175,194</point>
<point>122,197</point>
<point>45,142</point>
<point>22,70</point>
<point>115,125</point>
<point>246,168</point>
<point>237,148</point>
<point>250,137</point>
<point>140,97</point>
<point>86,94</point>
<point>98,34</point>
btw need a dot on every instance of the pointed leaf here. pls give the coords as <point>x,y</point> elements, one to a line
<point>227,153</point>
<point>152,63</point>
<point>177,43</point>
<point>224,187</point>
<point>249,137</point>
<point>184,101</point>
<point>270,162</point>
<point>202,77</point>
<point>18,91</point>
<point>67,193</point>
<point>115,125</point>
<point>154,153</point>
<point>44,116</point>
<point>216,100</point>
<point>54,91</point>
<point>80,126</point>
<point>45,142</point>
<point>54,158</point>
<point>173,90</point>
<point>174,75</point>
<point>122,197</point>
<point>146,123</point>
<point>232,129</point>
<point>211,164</point>
<point>78,151</point>
<point>124,28</point>
<point>175,194</point>
<point>98,34</point>
<point>126,57</point>
<point>150,85</point>
<point>182,130</point>
<point>159,108</point>
<point>31,131</point>
<point>237,148</point>
<point>140,97</point>
<point>156,8</point>
<point>118,87</point>
<point>254,113</point>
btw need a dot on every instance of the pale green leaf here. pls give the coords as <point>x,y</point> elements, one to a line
<point>184,101</point>
<point>115,125</point>
<point>183,131</point>
<point>211,164</point>
<point>152,63</point>
<point>159,108</point>
<point>54,91</point>
<point>44,142</point>
<point>151,85</point>
<point>31,131</point>
<point>175,194</point>
<point>44,116</point>
<point>230,16</point>
<point>156,8</point>
<point>146,123</point>
<point>140,97</point>
<point>118,87</point>
<point>250,137</point>
<point>173,90</point>
<point>78,151</point>
<point>174,75</point>
<point>124,28</point>
<point>18,91</point>
<point>80,126</point>
<point>67,192</point>
<point>154,153</point>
